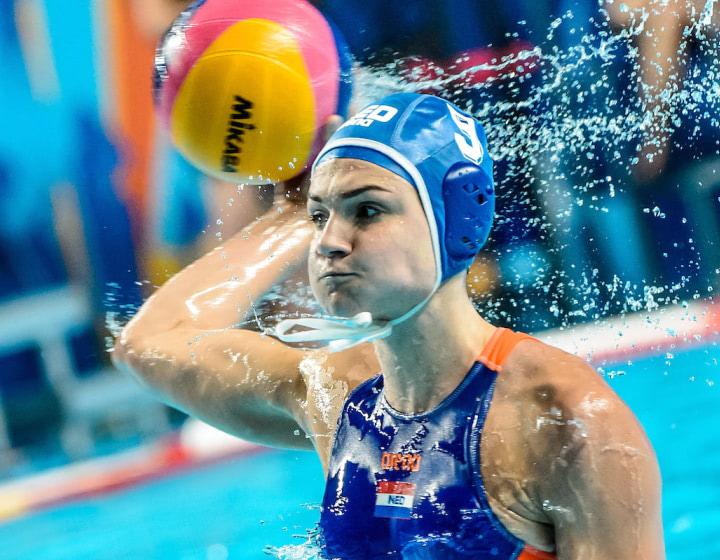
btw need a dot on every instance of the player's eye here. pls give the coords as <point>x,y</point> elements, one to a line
<point>367,211</point>
<point>318,218</point>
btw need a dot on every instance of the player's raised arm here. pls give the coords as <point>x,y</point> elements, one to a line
<point>181,343</point>
<point>188,342</point>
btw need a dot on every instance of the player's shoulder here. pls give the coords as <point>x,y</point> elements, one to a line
<point>535,368</point>
<point>534,357</point>
<point>560,402</point>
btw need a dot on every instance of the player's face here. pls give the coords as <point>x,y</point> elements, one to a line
<point>372,249</point>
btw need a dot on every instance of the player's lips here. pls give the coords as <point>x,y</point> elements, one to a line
<point>334,274</point>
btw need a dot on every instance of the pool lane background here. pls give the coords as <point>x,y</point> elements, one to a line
<point>235,508</point>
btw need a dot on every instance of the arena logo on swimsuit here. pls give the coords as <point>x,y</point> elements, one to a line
<point>400,462</point>
<point>371,114</point>
<point>235,131</point>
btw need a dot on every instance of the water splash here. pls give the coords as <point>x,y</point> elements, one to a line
<point>309,549</point>
<point>568,122</point>
<point>305,551</point>
<point>117,312</point>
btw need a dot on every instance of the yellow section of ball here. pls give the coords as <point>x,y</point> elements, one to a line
<point>245,111</point>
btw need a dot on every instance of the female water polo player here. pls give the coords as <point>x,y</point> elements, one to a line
<point>474,441</point>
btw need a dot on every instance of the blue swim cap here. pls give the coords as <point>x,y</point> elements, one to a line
<point>442,152</point>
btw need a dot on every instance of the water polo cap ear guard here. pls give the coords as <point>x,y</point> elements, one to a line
<point>442,152</point>
<point>469,197</point>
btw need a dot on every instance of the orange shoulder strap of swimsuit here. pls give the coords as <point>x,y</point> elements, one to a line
<point>499,347</point>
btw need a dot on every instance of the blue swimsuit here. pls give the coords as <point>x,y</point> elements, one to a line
<point>408,486</point>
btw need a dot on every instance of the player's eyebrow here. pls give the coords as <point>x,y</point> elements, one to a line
<point>352,193</point>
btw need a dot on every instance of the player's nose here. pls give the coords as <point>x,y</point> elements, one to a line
<point>335,240</point>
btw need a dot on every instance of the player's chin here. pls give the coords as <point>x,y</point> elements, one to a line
<point>336,308</point>
<point>340,303</point>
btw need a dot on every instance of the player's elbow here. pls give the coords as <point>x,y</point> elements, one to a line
<point>126,346</point>
<point>121,351</point>
<point>130,356</point>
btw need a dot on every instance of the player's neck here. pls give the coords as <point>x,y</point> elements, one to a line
<point>428,356</point>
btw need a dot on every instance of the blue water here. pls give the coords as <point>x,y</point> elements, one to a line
<point>235,508</point>
<point>677,399</point>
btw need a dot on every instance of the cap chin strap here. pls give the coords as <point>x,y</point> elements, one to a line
<point>346,333</point>
<point>341,333</point>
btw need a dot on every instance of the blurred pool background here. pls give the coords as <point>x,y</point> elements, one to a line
<point>609,212</point>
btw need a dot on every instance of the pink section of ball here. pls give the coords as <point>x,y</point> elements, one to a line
<point>307,25</point>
